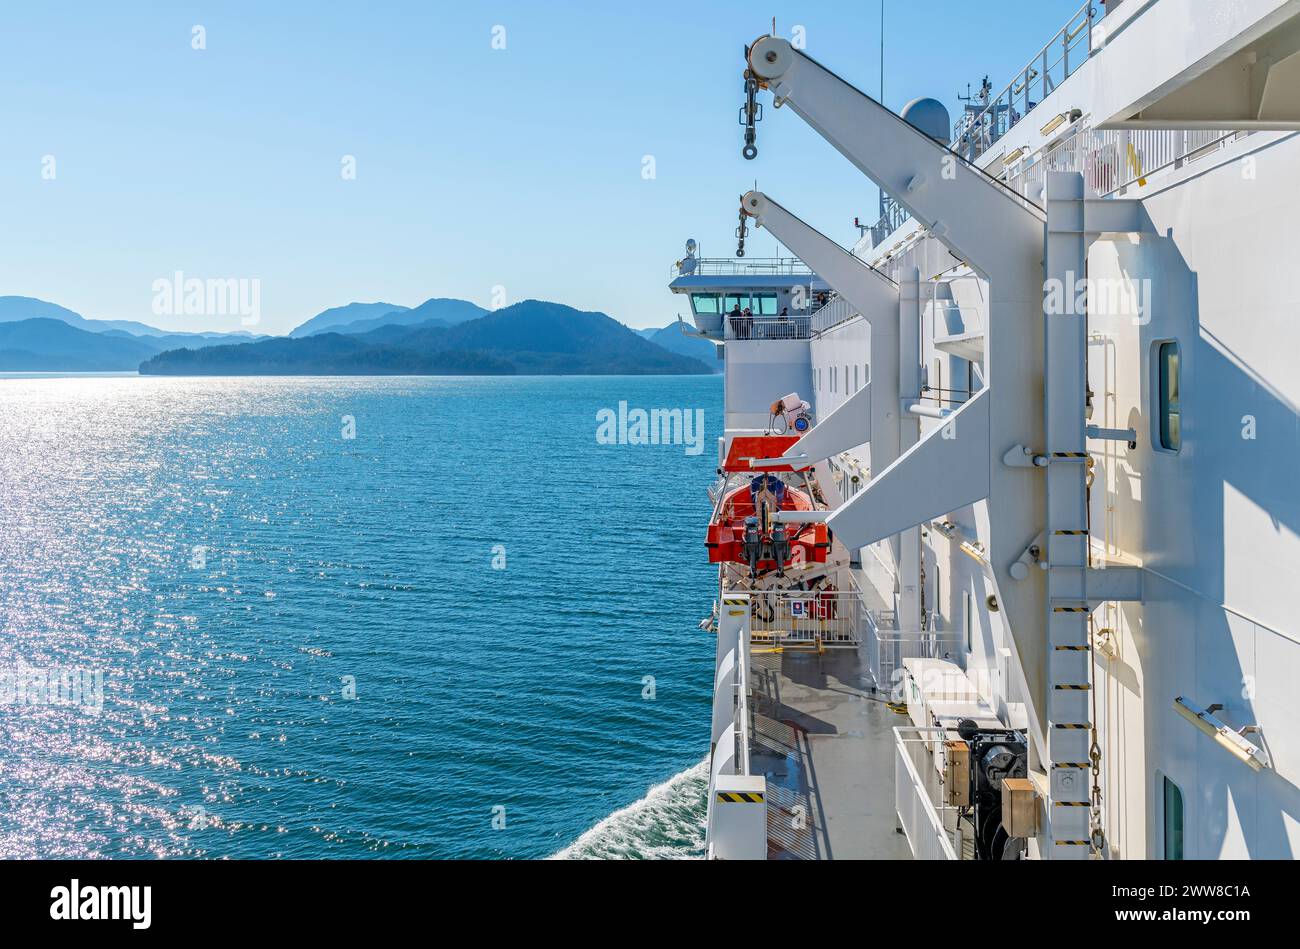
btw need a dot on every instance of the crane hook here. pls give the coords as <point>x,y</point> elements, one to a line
<point>740,233</point>
<point>750,113</point>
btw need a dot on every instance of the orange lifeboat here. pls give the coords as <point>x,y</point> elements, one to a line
<point>743,531</point>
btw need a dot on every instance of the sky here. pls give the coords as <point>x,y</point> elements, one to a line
<point>396,151</point>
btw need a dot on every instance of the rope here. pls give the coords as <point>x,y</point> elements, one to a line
<point>1098,837</point>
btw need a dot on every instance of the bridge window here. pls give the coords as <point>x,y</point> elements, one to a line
<point>705,303</point>
<point>1173,821</point>
<point>764,304</point>
<point>1169,395</point>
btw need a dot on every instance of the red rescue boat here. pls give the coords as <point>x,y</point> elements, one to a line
<point>744,531</point>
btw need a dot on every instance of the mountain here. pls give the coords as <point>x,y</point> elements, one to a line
<point>337,316</point>
<point>671,338</point>
<point>51,345</point>
<point>45,344</point>
<point>364,317</point>
<point>532,337</point>
<point>320,354</point>
<point>13,309</point>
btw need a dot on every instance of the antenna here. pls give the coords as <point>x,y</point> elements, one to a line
<point>882,52</point>
<point>881,191</point>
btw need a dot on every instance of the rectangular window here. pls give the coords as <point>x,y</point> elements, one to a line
<point>855,378</point>
<point>1169,412</point>
<point>764,304</point>
<point>1173,821</point>
<point>967,618</point>
<point>705,303</point>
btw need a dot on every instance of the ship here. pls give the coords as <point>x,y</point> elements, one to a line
<point>1006,511</point>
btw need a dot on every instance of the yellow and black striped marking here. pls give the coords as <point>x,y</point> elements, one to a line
<point>1074,725</point>
<point>1073,648</point>
<point>1070,803</point>
<point>732,601</point>
<point>1069,454</point>
<point>1069,609</point>
<point>1074,687</point>
<point>739,797</point>
<point>1070,533</point>
<point>1074,843</point>
<point>1071,764</point>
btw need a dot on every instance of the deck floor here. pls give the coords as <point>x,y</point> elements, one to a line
<point>825,742</point>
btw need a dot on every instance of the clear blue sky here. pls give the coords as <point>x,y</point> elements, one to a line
<point>475,167</point>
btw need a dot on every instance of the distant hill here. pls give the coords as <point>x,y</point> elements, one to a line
<point>336,316</point>
<point>13,309</point>
<point>321,354</point>
<point>532,337</point>
<point>672,338</point>
<point>51,345</point>
<point>436,312</point>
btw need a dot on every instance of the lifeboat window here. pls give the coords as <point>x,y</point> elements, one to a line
<point>1169,390</point>
<point>705,303</point>
<point>1173,821</point>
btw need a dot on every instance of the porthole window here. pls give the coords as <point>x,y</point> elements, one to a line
<point>1168,381</point>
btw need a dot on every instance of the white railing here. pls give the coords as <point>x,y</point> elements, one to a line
<point>792,618</point>
<point>836,311</point>
<point>768,327</point>
<point>1112,160</point>
<point>737,808</point>
<point>887,648</point>
<point>1063,54</point>
<point>740,267</point>
<point>892,216</point>
<point>922,819</point>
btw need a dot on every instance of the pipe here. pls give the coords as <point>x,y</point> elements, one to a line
<point>930,411</point>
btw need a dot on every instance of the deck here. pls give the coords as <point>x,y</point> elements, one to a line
<point>825,742</point>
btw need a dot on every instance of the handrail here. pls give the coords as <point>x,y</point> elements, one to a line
<point>752,266</point>
<point>836,311</point>
<point>1113,159</point>
<point>796,326</point>
<point>972,136</point>
<point>918,817</point>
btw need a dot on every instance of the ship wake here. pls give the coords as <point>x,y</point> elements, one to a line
<point>667,824</point>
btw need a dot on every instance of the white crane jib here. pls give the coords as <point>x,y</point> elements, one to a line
<point>872,413</point>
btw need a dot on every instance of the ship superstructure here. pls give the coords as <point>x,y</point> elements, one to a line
<point>1050,441</point>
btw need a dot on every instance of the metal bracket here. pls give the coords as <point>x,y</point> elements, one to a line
<point>1129,435</point>
<point>1031,557</point>
<point>1018,456</point>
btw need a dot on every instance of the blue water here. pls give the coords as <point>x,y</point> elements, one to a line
<point>497,712</point>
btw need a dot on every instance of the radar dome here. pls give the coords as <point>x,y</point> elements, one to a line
<point>929,116</point>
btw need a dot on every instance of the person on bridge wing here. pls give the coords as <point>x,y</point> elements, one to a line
<point>737,320</point>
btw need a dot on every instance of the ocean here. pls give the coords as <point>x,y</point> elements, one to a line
<point>352,617</point>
